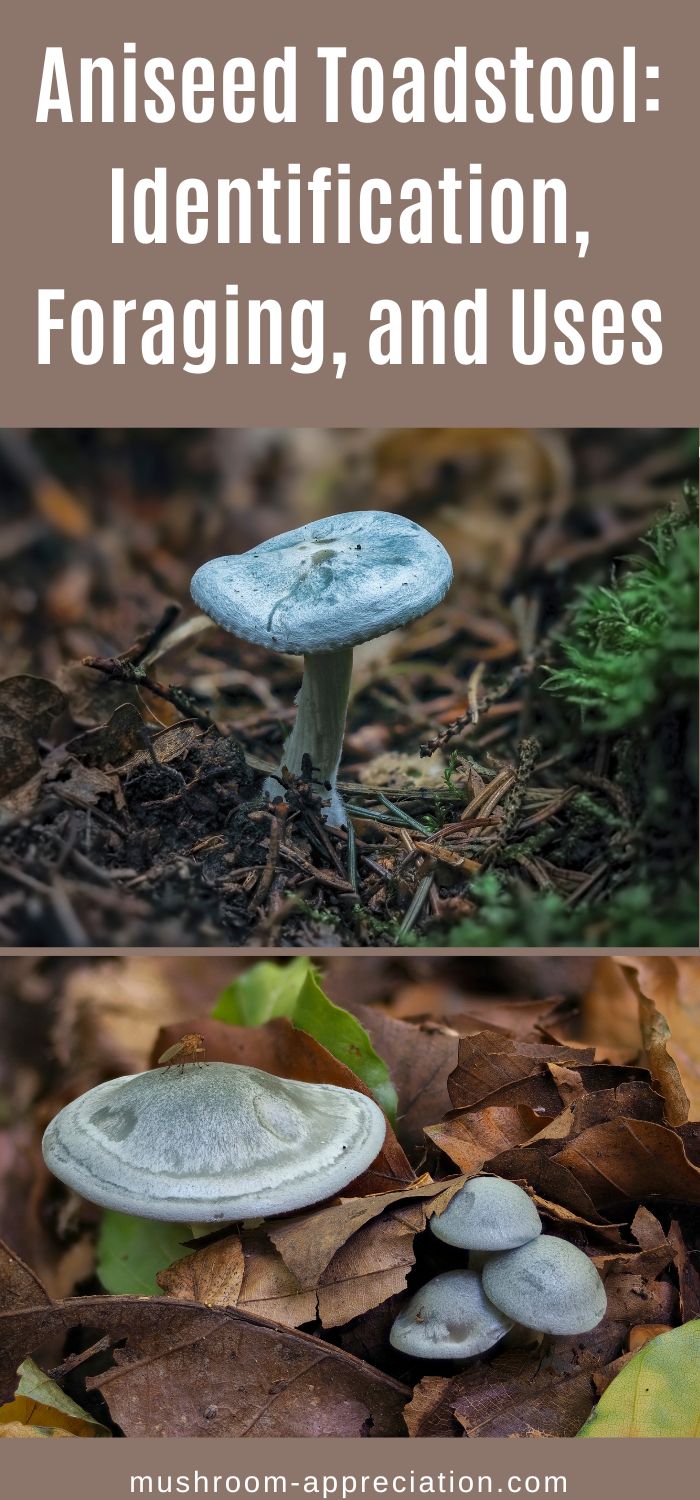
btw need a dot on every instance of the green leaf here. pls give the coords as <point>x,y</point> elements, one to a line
<point>262,993</point>
<point>269,990</point>
<point>39,1402</point>
<point>657,1394</point>
<point>130,1251</point>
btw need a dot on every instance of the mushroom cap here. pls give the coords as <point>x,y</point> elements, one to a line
<point>449,1318</point>
<point>488,1213</point>
<point>549,1285</point>
<point>212,1142</point>
<point>327,585</point>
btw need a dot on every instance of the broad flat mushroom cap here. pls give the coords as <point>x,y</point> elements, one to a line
<point>549,1285</point>
<point>212,1142</point>
<point>449,1318</point>
<point>488,1213</point>
<point>328,585</point>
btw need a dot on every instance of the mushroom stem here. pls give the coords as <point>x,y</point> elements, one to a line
<point>322,706</point>
<point>477,1259</point>
<point>521,1337</point>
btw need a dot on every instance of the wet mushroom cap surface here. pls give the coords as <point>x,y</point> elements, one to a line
<point>549,1285</point>
<point>449,1318</point>
<point>327,585</point>
<point>212,1142</point>
<point>488,1213</point>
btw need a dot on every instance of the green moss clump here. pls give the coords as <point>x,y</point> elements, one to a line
<point>621,691</point>
<point>632,649</point>
<point>636,916</point>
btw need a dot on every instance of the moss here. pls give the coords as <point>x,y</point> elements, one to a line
<point>630,651</point>
<point>621,691</point>
<point>637,916</point>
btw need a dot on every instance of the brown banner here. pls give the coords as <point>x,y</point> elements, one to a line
<point>341,1469</point>
<point>629,186</point>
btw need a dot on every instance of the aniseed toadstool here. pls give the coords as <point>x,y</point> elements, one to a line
<point>488,1214</point>
<point>449,1318</point>
<point>548,1285</point>
<point>317,592</point>
<point>212,1143</point>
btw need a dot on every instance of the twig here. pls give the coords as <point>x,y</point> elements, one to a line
<point>473,686</point>
<point>352,856</point>
<point>162,644</point>
<point>277,825</point>
<point>117,669</point>
<point>415,908</point>
<point>404,817</point>
<point>466,721</point>
<point>73,929</point>
<point>148,644</point>
<point>324,877</point>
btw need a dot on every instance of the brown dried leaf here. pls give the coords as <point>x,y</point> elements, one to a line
<point>308,1242</point>
<point>269,1289</point>
<point>171,744</point>
<point>225,1373</point>
<point>639,1336</point>
<point>88,784</point>
<point>19,757</point>
<point>474,1137</point>
<point>569,1083</point>
<point>31,701</point>
<point>640,1298</point>
<point>512,1396</point>
<point>19,1287</point>
<point>419,1059</point>
<point>610,1233</point>
<point>243,1271</point>
<point>688,1275</point>
<point>335,1281</point>
<point>496,1067</point>
<point>635,1099</point>
<point>112,743</point>
<point>548,1178</point>
<point>647,1230</point>
<point>525,1019</point>
<point>609,1014</point>
<point>669,988</point>
<point>430,1412</point>
<point>371,1267</point>
<point>625,1161</point>
<point>212,1276</point>
<point>635,1295</point>
<point>28,706</point>
<point>21,1430</point>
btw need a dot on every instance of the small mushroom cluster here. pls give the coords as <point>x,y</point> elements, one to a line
<point>516,1276</point>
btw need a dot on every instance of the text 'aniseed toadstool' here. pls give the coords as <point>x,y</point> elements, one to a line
<point>317,592</point>
<point>449,1318</point>
<point>212,1143</point>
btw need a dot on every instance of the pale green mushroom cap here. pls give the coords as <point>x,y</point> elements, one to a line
<point>488,1214</point>
<point>328,585</point>
<point>449,1318</point>
<point>212,1142</point>
<point>549,1285</point>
